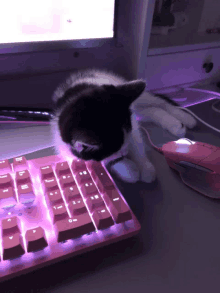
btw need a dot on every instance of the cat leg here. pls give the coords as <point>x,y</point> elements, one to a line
<point>126,170</point>
<point>137,153</point>
<point>148,100</point>
<point>163,119</point>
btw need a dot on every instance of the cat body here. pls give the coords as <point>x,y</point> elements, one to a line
<point>97,116</point>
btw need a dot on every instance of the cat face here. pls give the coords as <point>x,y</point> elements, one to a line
<point>94,122</point>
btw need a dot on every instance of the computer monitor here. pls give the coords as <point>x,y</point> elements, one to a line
<point>47,25</point>
<point>181,44</point>
<point>31,70</point>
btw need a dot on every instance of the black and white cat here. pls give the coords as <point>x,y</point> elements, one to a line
<point>97,115</point>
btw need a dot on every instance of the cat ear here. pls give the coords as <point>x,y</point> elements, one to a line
<point>130,90</point>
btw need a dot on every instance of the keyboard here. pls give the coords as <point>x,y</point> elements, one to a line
<point>52,209</point>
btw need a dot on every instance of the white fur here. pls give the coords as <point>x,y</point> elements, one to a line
<point>146,108</point>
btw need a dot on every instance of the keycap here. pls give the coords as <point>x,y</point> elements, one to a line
<point>54,197</point>
<point>35,239</point>
<point>102,179</point>
<point>46,172</point>
<point>5,167</point>
<point>94,202</point>
<point>50,184</point>
<point>22,177</point>
<point>88,188</point>
<point>6,181</point>
<point>71,192</point>
<point>12,246</point>
<point>11,226</point>
<point>66,180</point>
<point>26,193</point>
<point>119,210</point>
<point>62,168</point>
<point>83,176</point>
<point>78,165</point>
<point>58,212</point>
<point>20,163</point>
<point>77,207</point>
<point>102,218</point>
<point>93,164</point>
<point>73,227</point>
<point>7,197</point>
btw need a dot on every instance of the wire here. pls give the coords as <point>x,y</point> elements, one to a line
<point>153,145</point>
<point>214,108</point>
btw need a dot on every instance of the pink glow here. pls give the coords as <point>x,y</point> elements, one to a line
<point>37,214</point>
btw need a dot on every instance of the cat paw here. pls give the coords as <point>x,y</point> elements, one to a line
<point>178,130</point>
<point>126,170</point>
<point>148,173</point>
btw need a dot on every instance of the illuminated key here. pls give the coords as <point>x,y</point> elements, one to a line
<point>78,165</point>
<point>102,179</point>
<point>46,172</point>
<point>6,181</point>
<point>5,167</point>
<point>94,202</point>
<point>83,176</point>
<point>20,164</point>
<point>26,193</point>
<point>102,218</point>
<point>77,207</point>
<point>73,227</point>
<point>88,188</point>
<point>71,192</point>
<point>35,239</point>
<point>23,177</point>
<point>50,184</point>
<point>62,168</point>
<point>58,212</point>
<point>119,210</point>
<point>66,180</point>
<point>12,246</point>
<point>7,197</point>
<point>54,197</point>
<point>11,226</point>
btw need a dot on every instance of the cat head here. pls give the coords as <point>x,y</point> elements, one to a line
<point>94,121</point>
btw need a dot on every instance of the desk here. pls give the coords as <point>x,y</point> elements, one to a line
<point>177,250</point>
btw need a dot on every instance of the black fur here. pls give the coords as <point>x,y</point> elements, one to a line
<point>96,115</point>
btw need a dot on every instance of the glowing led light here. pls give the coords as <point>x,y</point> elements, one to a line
<point>114,199</point>
<point>18,159</point>
<point>185,141</point>
<point>43,168</point>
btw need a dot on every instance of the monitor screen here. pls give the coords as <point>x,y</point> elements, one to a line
<point>44,21</point>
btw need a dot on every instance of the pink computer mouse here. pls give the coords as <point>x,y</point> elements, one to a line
<point>198,164</point>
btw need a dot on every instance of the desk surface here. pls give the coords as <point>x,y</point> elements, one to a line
<point>177,249</point>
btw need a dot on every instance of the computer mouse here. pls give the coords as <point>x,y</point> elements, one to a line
<point>198,164</point>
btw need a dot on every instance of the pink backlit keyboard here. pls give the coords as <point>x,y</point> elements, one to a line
<point>51,209</point>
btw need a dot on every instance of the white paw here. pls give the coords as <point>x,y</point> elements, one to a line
<point>148,173</point>
<point>126,170</point>
<point>178,130</point>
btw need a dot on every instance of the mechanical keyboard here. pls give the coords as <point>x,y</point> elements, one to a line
<point>52,209</point>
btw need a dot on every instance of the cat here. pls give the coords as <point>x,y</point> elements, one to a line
<point>97,116</point>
